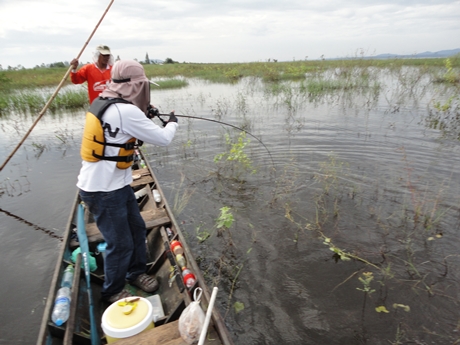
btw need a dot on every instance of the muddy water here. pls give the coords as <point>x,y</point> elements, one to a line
<point>354,206</point>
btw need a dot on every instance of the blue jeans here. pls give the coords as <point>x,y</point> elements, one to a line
<point>119,220</point>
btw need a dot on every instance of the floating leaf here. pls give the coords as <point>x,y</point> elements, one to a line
<point>406,308</point>
<point>238,307</point>
<point>381,309</point>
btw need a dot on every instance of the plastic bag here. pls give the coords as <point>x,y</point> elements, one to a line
<point>191,320</point>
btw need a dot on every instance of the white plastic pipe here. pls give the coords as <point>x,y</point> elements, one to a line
<point>204,331</point>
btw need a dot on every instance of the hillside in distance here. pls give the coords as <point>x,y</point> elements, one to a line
<point>424,55</point>
<point>427,54</point>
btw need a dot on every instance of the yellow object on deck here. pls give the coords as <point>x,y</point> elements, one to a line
<point>126,318</point>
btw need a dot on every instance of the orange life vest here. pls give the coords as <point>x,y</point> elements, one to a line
<point>94,143</point>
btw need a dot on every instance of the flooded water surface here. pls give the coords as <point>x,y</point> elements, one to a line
<point>330,216</point>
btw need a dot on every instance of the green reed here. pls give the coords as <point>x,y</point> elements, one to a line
<point>279,71</point>
<point>172,83</point>
<point>227,72</point>
<point>311,81</point>
<point>30,101</point>
<point>4,104</point>
<point>36,77</point>
<point>70,100</point>
<point>26,101</point>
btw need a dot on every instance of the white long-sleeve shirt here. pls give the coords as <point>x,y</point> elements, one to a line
<point>126,121</point>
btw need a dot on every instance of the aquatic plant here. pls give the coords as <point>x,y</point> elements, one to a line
<point>450,76</point>
<point>39,148</point>
<point>5,82</point>
<point>4,104</point>
<point>69,100</point>
<point>172,83</point>
<point>182,196</point>
<point>33,101</point>
<point>225,219</point>
<point>226,72</point>
<point>235,159</point>
<point>366,279</point>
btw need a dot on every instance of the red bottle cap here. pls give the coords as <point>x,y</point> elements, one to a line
<point>176,247</point>
<point>189,280</point>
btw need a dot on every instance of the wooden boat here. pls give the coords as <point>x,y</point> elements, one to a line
<point>162,229</point>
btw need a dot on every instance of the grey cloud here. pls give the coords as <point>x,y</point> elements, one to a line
<point>236,30</point>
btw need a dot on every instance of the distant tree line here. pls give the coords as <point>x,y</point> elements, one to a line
<point>66,64</point>
<point>148,61</point>
<point>50,65</point>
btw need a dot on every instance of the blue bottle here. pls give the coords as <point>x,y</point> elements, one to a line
<point>61,306</point>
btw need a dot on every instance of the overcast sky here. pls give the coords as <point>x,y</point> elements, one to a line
<point>45,31</point>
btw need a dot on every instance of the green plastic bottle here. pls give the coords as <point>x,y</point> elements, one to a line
<point>67,277</point>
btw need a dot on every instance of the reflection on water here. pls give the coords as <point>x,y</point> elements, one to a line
<point>363,184</point>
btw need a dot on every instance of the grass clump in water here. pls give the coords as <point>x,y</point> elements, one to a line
<point>173,83</point>
<point>31,101</point>
<point>69,100</point>
<point>227,72</point>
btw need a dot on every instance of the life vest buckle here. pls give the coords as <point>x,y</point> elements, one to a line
<point>130,145</point>
<point>129,158</point>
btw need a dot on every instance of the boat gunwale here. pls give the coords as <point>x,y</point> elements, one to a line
<point>54,280</point>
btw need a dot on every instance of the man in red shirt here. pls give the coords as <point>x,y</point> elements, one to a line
<point>97,74</point>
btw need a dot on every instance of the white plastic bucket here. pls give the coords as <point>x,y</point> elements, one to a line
<point>118,325</point>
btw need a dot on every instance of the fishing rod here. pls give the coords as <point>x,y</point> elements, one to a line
<point>83,240</point>
<point>53,96</point>
<point>154,112</point>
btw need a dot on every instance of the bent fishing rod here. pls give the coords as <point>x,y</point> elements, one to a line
<point>154,112</point>
<point>53,96</point>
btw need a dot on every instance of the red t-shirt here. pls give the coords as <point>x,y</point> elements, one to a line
<point>96,79</point>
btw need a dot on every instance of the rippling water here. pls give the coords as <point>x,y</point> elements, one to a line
<point>359,171</point>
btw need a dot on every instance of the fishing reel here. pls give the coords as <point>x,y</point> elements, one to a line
<point>152,112</point>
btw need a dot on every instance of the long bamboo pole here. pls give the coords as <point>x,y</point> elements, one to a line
<point>53,96</point>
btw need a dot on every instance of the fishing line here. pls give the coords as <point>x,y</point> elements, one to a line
<point>36,227</point>
<point>226,124</point>
<point>55,92</point>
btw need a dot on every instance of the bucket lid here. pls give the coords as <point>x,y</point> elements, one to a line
<point>116,323</point>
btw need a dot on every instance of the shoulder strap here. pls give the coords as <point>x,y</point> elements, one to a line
<point>100,105</point>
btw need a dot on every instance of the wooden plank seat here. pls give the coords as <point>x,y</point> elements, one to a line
<point>152,218</point>
<point>167,334</point>
<point>145,178</point>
